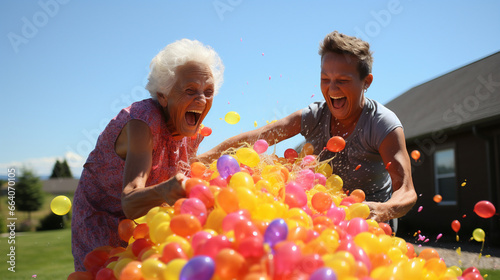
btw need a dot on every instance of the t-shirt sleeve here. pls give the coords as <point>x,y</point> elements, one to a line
<point>383,122</point>
<point>310,116</point>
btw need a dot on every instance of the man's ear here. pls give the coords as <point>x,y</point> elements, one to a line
<point>162,99</point>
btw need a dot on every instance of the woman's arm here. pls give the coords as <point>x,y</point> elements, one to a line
<point>137,200</point>
<point>273,133</point>
<point>393,150</point>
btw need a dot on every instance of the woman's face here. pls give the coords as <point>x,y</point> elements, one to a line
<point>190,99</point>
<point>341,86</point>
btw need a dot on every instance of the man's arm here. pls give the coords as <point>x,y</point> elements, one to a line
<point>273,133</point>
<point>393,150</point>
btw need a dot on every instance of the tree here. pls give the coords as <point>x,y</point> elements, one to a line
<point>29,194</point>
<point>61,170</point>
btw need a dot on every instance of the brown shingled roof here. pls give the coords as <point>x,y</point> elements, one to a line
<point>458,99</point>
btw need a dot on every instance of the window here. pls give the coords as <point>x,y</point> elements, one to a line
<point>445,178</point>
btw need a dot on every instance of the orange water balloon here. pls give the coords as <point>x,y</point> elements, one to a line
<point>227,199</point>
<point>126,229</point>
<point>415,154</point>
<point>321,201</point>
<point>308,149</point>
<point>185,225</point>
<point>335,144</point>
<point>358,195</point>
<point>437,198</point>
<point>197,169</point>
<point>428,253</point>
<point>229,264</point>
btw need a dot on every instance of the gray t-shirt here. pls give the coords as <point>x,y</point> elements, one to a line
<point>362,147</point>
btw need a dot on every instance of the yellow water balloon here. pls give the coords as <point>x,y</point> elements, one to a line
<point>478,235</point>
<point>325,169</point>
<point>232,117</point>
<point>334,183</point>
<point>248,156</point>
<point>60,205</point>
<point>359,210</point>
<point>174,268</point>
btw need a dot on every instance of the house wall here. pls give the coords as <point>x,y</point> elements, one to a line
<point>471,167</point>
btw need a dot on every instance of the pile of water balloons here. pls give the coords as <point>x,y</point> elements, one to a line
<point>251,215</point>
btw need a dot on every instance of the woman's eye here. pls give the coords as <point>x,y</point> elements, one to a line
<point>209,93</point>
<point>190,91</point>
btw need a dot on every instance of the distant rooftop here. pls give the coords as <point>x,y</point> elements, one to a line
<point>60,185</point>
<point>458,99</point>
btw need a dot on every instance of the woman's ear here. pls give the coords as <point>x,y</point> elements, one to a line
<point>368,81</point>
<point>162,99</point>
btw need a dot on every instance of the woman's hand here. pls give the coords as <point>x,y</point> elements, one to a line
<point>381,212</point>
<point>175,188</point>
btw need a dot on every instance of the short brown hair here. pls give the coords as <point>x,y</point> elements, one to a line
<point>340,43</point>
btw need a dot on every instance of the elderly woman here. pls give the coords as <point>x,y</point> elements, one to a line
<point>141,157</point>
<point>374,135</point>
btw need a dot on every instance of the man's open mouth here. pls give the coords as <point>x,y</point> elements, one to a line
<point>192,117</point>
<point>338,102</point>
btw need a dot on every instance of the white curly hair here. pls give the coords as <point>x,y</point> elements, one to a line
<point>162,68</point>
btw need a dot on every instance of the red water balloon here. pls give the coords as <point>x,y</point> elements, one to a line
<point>206,131</point>
<point>484,209</point>
<point>291,154</point>
<point>455,225</point>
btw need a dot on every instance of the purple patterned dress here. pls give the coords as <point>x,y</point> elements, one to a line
<point>97,208</point>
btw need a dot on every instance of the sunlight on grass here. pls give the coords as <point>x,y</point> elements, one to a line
<point>45,254</point>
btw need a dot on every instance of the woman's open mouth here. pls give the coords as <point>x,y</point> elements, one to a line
<point>192,117</point>
<point>338,102</point>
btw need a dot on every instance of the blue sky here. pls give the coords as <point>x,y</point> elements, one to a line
<point>68,67</point>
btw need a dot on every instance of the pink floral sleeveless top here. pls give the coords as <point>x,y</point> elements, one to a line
<point>97,207</point>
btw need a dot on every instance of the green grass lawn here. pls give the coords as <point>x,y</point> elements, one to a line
<point>46,254</point>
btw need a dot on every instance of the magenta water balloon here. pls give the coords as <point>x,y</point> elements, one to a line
<point>319,179</point>
<point>323,273</point>
<point>310,263</point>
<point>275,232</point>
<point>199,238</point>
<point>305,178</point>
<point>286,257</point>
<point>213,246</point>
<point>195,207</point>
<point>295,195</point>
<point>336,214</point>
<point>260,146</point>
<point>227,165</point>
<point>308,160</point>
<point>231,220</point>
<point>356,225</point>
